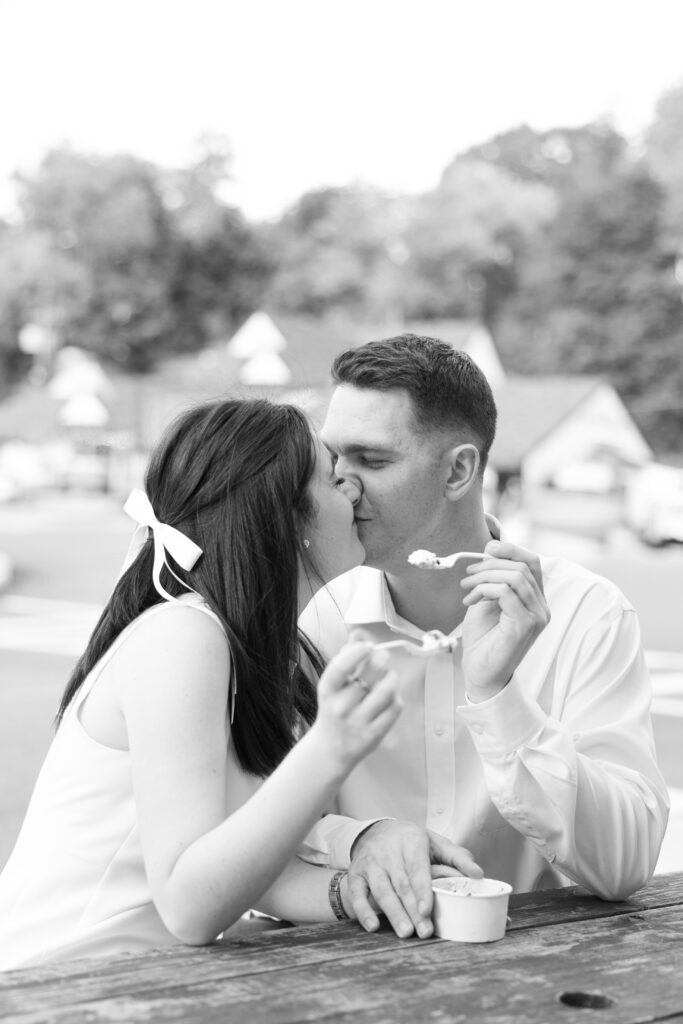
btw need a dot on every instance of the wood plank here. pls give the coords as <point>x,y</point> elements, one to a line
<point>633,959</point>
<point>90,979</point>
<point>550,906</point>
<point>268,951</point>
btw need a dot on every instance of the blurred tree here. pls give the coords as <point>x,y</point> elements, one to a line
<point>664,155</point>
<point>222,264</point>
<point>159,258</point>
<point>39,284</point>
<point>340,249</point>
<point>598,294</point>
<point>597,291</point>
<point>107,217</point>
<point>465,239</point>
<point>448,253</point>
<point>563,158</point>
<point>566,242</point>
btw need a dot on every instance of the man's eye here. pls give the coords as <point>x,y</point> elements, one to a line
<point>373,463</point>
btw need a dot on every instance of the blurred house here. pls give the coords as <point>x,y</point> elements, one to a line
<point>289,357</point>
<point>569,432</point>
<point>562,431</point>
<point>63,433</point>
<point>654,504</point>
<point>566,433</point>
<point>565,445</point>
<point>565,451</point>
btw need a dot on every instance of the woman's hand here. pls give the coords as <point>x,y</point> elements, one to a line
<point>357,703</point>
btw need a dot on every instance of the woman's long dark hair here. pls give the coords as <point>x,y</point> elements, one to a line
<point>233,476</point>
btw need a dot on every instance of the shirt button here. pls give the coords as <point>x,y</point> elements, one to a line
<point>439,730</point>
<point>439,810</point>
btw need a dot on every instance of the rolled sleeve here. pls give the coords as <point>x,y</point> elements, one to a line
<point>330,841</point>
<point>581,783</point>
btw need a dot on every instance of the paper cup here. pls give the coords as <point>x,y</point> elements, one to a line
<point>470,909</point>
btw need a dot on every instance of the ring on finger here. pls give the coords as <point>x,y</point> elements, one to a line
<point>363,683</point>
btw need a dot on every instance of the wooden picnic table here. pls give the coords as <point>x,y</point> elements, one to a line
<point>567,957</point>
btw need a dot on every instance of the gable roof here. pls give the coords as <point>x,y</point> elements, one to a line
<point>257,334</point>
<point>31,413</point>
<point>312,343</point>
<point>530,408</point>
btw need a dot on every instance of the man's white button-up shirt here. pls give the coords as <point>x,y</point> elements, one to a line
<point>552,781</point>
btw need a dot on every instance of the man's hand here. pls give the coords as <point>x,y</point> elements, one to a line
<point>506,611</point>
<point>391,871</point>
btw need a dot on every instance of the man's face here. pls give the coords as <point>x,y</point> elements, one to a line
<point>399,470</point>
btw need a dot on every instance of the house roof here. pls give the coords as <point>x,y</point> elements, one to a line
<point>530,408</point>
<point>31,413</point>
<point>311,346</point>
<point>313,343</point>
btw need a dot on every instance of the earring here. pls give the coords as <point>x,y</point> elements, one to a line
<point>307,542</point>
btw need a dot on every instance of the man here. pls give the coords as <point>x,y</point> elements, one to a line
<point>531,743</point>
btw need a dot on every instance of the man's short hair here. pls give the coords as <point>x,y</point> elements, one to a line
<point>447,388</point>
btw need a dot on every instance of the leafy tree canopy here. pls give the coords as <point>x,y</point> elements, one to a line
<point>568,243</point>
<point>127,260</point>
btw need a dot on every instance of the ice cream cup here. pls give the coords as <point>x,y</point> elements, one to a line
<point>470,909</point>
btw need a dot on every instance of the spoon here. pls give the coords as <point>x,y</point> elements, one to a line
<point>432,642</point>
<point>428,560</point>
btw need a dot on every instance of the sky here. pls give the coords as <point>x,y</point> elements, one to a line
<point>321,92</point>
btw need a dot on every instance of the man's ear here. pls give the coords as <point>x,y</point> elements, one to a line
<point>463,470</point>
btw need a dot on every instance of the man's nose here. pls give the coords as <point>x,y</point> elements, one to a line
<point>350,489</point>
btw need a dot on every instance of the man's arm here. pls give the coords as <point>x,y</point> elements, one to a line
<point>332,840</point>
<point>390,868</point>
<point>392,862</point>
<point>581,784</point>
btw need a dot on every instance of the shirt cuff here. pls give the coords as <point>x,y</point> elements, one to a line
<point>365,827</point>
<point>344,836</point>
<point>503,723</point>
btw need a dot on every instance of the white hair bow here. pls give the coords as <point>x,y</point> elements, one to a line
<point>166,538</point>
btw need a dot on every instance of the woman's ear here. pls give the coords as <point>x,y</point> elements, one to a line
<point>463,470</point>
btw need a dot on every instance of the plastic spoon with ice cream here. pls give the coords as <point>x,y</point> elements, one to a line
<point>428,560</point>
<point>432,642</point>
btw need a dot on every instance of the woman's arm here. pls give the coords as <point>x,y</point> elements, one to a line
<point>204,869</point>
<point>301,894</point>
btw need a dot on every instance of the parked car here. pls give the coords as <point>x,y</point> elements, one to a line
<point>653,507</point>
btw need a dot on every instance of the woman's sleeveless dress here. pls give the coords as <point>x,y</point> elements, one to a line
<point>75,884</point>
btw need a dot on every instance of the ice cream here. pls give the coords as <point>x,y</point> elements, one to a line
<point>433,639</point>
<point>423,559</point>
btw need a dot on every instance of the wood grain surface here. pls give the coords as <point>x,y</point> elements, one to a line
<point>628,954</point>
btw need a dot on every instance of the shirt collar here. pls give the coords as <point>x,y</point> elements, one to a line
<point>494,527</point>
<point>372,602</point>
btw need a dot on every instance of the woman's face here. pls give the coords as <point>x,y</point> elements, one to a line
<point>334,546</point>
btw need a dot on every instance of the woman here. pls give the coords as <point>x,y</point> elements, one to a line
<point>150,823</point>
